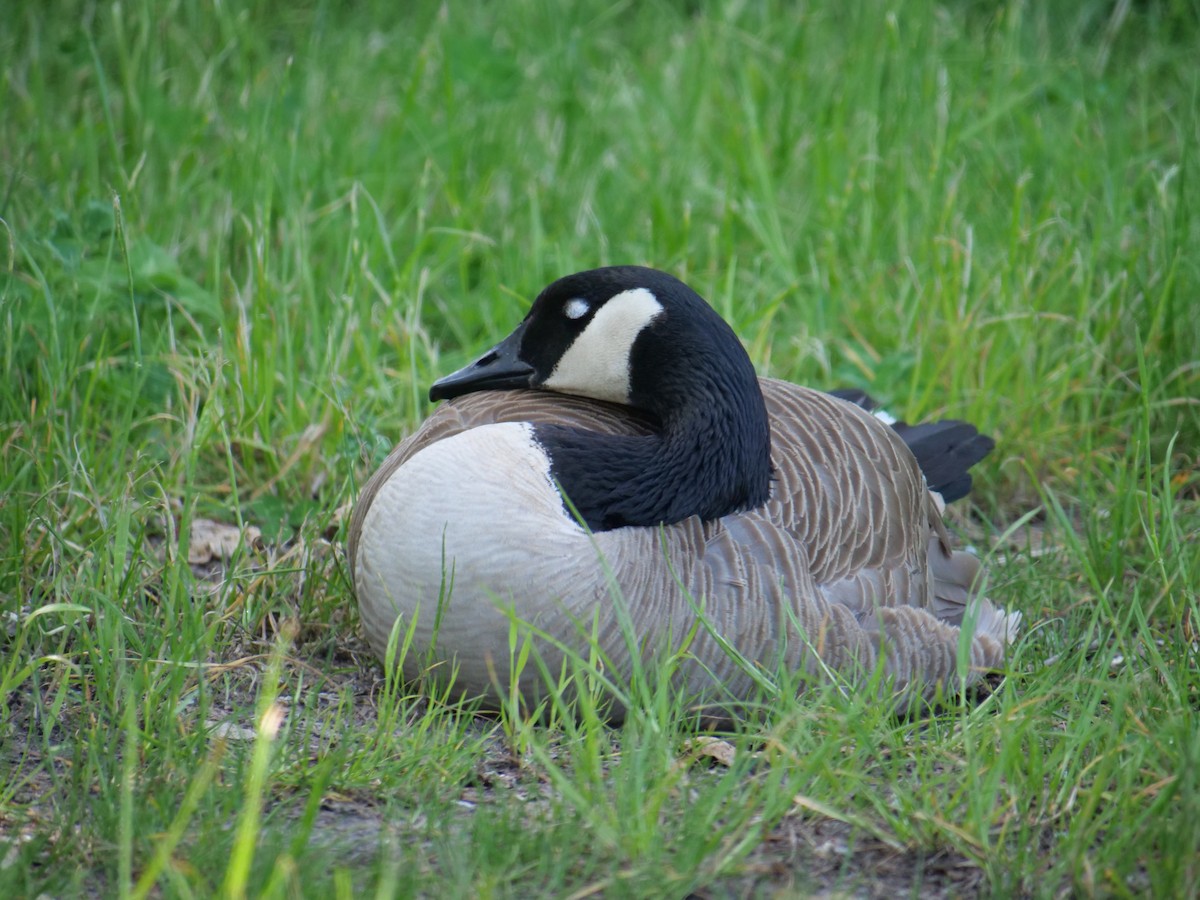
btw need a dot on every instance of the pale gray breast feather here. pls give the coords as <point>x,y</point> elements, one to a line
<point>485,408</point>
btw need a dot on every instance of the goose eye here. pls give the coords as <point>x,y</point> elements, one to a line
<point>576,308</point>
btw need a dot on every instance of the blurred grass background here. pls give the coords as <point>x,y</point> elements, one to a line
<point>238,241</point>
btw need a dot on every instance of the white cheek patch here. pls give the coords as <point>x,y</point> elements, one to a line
<point>597,363</point>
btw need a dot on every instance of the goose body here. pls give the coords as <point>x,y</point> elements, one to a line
<point>799,523</point>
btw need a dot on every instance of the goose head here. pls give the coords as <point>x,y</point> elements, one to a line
<point>640,338</point>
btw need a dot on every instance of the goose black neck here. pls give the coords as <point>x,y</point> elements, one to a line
<point>711,456</point>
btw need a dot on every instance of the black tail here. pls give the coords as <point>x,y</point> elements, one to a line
<point>945,450</point>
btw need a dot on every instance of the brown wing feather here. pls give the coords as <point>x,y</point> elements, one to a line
<point>847,486</point>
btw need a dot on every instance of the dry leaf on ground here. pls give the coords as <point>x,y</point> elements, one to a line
<point>218,540</point>
<point>717,750</point>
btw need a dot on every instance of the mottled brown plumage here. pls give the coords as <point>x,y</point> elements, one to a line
<point>847,562</point>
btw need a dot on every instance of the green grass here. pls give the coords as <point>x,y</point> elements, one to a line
<point>237,242</point>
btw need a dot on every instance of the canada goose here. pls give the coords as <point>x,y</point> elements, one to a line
<point>798,522</point>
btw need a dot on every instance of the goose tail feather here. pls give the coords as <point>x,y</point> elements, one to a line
<point>956,597</point>
<point>945,450</point>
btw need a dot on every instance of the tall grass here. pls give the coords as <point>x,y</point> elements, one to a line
<point>237,242</point>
